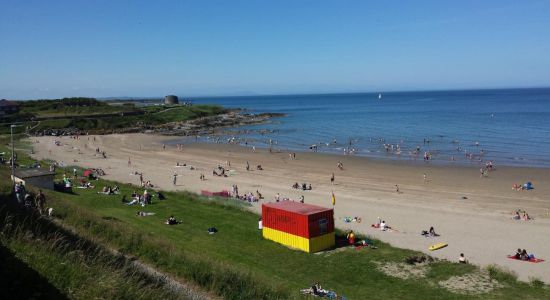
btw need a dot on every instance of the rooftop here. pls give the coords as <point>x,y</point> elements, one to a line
<point>297,207</point>
<point>28,173</point>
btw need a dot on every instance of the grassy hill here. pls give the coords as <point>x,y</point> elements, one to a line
<point>91,115</point>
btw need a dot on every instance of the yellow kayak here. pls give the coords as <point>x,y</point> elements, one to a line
<point>437,246</point>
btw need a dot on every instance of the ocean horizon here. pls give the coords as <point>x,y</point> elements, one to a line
<point>506,126</point>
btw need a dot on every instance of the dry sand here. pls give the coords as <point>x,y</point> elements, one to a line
<point>479,226</point>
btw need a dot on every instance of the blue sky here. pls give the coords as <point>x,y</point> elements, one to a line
<point>152,48</point>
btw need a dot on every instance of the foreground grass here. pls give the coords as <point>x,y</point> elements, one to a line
<point>41,261</point>
<point>237,263</point>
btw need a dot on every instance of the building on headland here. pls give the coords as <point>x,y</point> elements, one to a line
<point>8,107</point>
<point>171,100</point>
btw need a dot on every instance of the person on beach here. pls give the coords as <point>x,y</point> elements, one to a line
<point>524,255</point>
<point>340,166</point>
<point>260,224</point>
<point>175,178</point>
<point>396,188</point>
<point>247,166</point>
<point>277,197</point>
<point>384,226</point>
<point>351,237</point>
<point>302,199</point>
<point>518,254</point>
<point>332,179</point>
<point>462,259</point>
<point>129,162</point>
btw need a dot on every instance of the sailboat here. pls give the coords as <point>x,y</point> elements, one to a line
<point>379,96</point>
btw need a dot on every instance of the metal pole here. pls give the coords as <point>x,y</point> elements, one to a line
<point>12,158</point>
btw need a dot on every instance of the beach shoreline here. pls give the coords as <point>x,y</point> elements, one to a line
<point>471,212</point>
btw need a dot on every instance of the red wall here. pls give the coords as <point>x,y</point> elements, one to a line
<point>293,223</point>
<point>313,221</point>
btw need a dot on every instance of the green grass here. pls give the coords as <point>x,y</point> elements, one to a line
<point>237,263</point>
<point>257,268</point>
<point>41,261</point>
<point>76,112</point>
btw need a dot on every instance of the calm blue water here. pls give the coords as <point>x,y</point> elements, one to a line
<point>512,127</point>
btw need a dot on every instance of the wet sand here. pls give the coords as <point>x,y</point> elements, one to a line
<point>479,226</point>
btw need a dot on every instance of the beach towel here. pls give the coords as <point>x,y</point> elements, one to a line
<point>532,260</point>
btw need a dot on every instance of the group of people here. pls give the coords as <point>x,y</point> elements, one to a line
<point>25,198</point>
<point>525,216</point>
<point>219,171</point>
<point>250,197</point>
<point>137,199</point>
<point>304,186</point>
<point>523,255</point>
<point>429,233</point>
<point>108,190</point>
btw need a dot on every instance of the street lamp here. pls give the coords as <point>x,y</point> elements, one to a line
<point>12,156</point>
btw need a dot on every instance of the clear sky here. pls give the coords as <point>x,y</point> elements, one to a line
<point>208,47</point>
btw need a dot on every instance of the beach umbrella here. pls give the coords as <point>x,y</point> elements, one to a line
<point>87,173</point>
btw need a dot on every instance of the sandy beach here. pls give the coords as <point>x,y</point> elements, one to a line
<point>471,213</point>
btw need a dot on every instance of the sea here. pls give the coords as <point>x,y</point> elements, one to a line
<point>508,127</point>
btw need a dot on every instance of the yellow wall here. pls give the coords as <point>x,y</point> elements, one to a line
<point>315,244</point>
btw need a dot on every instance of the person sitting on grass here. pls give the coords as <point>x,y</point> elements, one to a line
<point>144,214</point>
<point>172,221</point>
<point>106,190</point>
<point>462,259</point>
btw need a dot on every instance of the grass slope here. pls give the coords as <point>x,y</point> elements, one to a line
<point>238,263</point>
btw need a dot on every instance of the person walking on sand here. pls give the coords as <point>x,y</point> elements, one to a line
<point>332,179</point>
<point>175,178</point>
<point>129,162</point>
<point>396,188</point>
<point>247,166</point>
